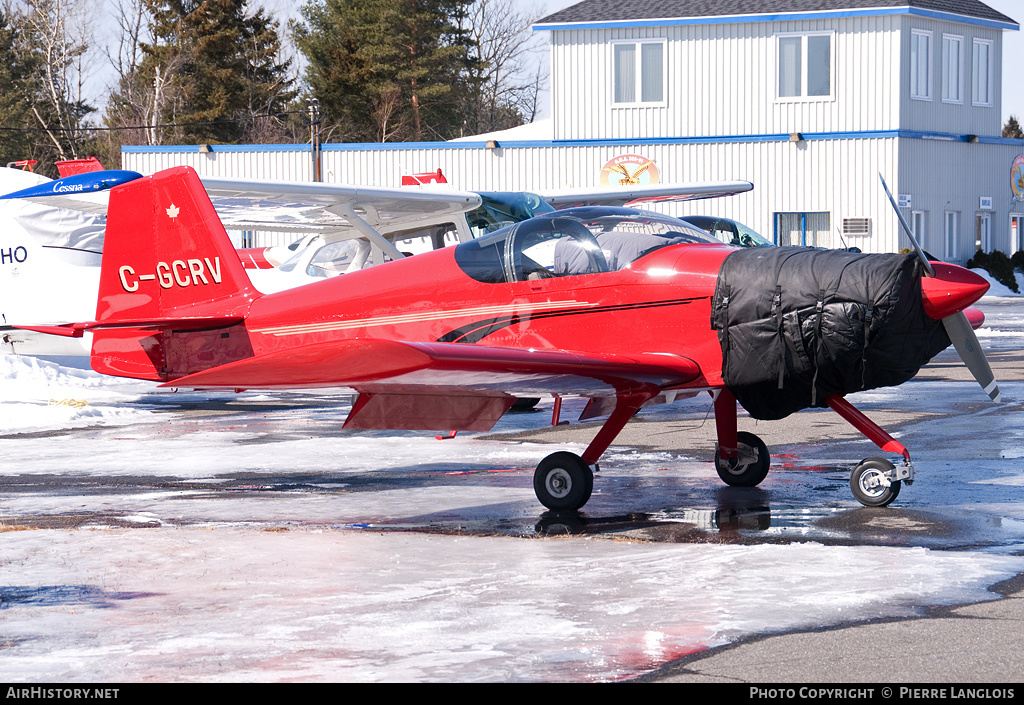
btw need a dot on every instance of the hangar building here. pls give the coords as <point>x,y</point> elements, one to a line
<point>808,99</point>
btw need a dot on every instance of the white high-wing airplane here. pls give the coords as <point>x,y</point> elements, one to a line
<point>51,235</point>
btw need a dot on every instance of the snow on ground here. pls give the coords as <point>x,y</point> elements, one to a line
<point>242,605</point>
<point>1000,290</point>
<point>305,586</point>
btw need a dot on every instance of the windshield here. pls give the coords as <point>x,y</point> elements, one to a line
<point>730,232</point>
<point>573,241</point>
<point>502,208</point>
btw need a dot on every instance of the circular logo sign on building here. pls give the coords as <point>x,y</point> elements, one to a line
<point>1017,178</point>
<point>629,170</point>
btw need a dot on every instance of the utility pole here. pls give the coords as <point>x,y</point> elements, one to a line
<point>314,138</point>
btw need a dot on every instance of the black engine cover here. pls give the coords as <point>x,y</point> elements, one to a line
<point>797,325</point>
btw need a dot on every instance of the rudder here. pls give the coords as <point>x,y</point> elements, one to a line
<point>168,267</point>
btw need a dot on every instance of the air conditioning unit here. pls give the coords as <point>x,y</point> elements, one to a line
<point>856,227</point>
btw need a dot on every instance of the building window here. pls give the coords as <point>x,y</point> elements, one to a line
<point>951,243</point>
<point>981,81</point>
<point>803,229</point>
<point>805,66</point>
<point>638,73</point>
<point>952,68</point>
<point>917,225</point>
<point>920,65</point>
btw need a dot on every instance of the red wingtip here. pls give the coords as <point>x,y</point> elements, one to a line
<point>951,290</point>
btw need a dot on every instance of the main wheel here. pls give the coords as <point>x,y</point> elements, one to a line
<point>563,481</point>
<point>752,465</point>
<point>868,483</point>
<point>525,403</point>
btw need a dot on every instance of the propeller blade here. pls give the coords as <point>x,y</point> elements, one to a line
<point>966,343</point>
<point>961,333</point>
<point>907,229</point>
<point>958,328</point>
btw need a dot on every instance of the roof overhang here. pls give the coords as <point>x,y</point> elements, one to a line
<point>778,17</point>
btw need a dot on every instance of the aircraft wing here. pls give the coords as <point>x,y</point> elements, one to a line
<point>416,385</point>
<point>277,206</point>
<point>289,206</point>
<point>630,195</point>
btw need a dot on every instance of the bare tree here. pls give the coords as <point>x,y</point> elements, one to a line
<point>387,113</point>
<point>56,33</point>
<point>140,97</point>
<point>510,78</point>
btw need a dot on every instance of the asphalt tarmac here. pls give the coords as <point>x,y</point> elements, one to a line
<point>978,643</point>
<point>278,477</point>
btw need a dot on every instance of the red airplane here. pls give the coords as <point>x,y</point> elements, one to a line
<point>627,308</point>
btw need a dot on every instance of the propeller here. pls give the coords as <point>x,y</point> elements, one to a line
<point>958,328</point>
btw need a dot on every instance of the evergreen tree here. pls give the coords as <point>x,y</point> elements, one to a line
<point>1012,129</point>
<point>388,70</point>
<point>209,66</point>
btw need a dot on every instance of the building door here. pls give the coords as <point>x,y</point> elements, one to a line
<point>1016,232</point>
<point>983,232</point>
<point>803,229</point>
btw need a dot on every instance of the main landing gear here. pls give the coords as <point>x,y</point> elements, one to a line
<point>742,459</point>
<point>564,481</point>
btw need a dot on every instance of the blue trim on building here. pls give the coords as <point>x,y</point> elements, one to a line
<point>541,144</point>
<point>169,148</point>
<point>779,17</point>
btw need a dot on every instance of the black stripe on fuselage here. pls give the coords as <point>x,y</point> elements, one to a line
<point>478,330</point>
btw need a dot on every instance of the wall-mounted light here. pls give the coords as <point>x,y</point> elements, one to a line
<point>795,137</point>
<point>973,139</point>
<point>492,144</point>
<point>205,149</point>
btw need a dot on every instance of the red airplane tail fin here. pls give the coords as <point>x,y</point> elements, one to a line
<point>169,274</point>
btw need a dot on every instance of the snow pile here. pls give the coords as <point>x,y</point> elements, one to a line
<point>998,289</point>
<point>36,395</point>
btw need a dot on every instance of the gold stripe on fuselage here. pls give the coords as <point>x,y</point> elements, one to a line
<point>493,311</point>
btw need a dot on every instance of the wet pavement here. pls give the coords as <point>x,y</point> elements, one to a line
<point>280,465</point>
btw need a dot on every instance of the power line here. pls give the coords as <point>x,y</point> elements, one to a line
<point>149,127</point>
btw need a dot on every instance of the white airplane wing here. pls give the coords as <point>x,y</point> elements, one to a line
<point>289,206</point>
<point>630,195</point>
<point>335,211</point>
<point>249,204</point>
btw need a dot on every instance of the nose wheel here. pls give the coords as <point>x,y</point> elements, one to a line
<point>871,483</point>
<point>563,481</point>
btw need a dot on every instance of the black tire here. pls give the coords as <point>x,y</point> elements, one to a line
<point>563,482</point>
<point>746,474</point>
<point>525,403</point>
<point>865,485</point>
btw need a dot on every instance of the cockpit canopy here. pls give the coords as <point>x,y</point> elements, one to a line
<point>574,241</point>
